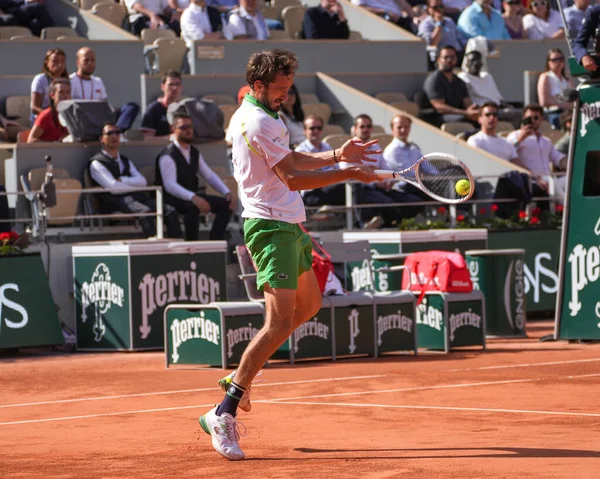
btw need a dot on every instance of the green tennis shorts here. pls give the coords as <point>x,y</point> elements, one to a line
<point>281,252</point>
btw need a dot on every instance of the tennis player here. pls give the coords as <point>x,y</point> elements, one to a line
<point>270,177</point>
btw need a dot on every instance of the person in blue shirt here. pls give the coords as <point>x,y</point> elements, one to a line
<point>481,19</point>
<point>575,15</point>
<point>588,29</point>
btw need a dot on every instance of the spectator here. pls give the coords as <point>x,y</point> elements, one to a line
<point>488,140</point>
<point>483,89</point>
<point>151,14</point>
<point>438,30</point>
<point>447,93</point>
<point>566,120</point>
<point>154,121</point>
<point>9,129</point>
<point>543,22</point>
<point>177,8</point>
<point>575,15</point>
<point>109,169</point>
<point>536,153</point>
<point>47,126</point>
<point>513,18</point>
<point>54,66</point>
<point>224,6</point>
<point>7,19</point>
<point>481,19</point>
<point>552,82</point>
<point>247,22</point>
<point>293,116</point>
<point>27,13</point>
<point>242,92</point>
<point>86,86</point>
<point>328,195</point>
<point>325,21</point>
<point>201,22</point>
<point>590,24</point>
<point>398,12</point>
<point>178,168</point>
<point>399,155</point>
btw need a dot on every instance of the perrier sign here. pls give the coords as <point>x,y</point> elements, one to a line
<point>578,308</point>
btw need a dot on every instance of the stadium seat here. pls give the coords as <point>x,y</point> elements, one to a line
<point>66,203</point>
<point>354,35</point>
<point>332,130</point>
<point>24,38</point>
<point>335,141</point>
<point>505,126</point>
<point>391,96</point>
<point>52,33</point>
<point>150,35</point>
<point>278,35</point>
<point>134,135</point>
<point>546,128</point>
<point>384,139</point>
<point>17,108</point>
<point>219,98</point>
<point>89,4</point>
<point>22,136</point>
<point>409,107</point>
<point>456,127</point>
<point>114,13</point>
<point>309,98</point>
<point>37,175</point>
<point>165,54</point>
<point>6,33</point>
<point>228,111</point>
<point>292,20</point>
<point>319,109</point>
<point>148,172</point>
<point>281,4</point>
<point>377,129</point>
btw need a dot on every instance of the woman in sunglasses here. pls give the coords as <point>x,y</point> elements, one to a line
<point>552,82</point>
<point>543,22</point>
<point>513,18</point>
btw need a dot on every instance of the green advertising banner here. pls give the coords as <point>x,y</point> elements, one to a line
<point>102,303</point>
<point>431,328</point>
<point>579,306</point>
<point>313,338</point>
<point>27,312</point>
<point>541,263</point>
<point>193,336</point>
<point>354,330</point>
<point>160,280</point>
<point>239,331</point>
<point>465,323</point>
<point>395,327</point>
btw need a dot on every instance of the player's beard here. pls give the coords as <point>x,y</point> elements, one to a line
<point>263,98</point>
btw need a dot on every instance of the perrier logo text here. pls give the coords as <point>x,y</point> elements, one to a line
<point>589,112</point>
<point>192,328</point>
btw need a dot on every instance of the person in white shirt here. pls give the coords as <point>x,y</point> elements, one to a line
<point>178,168</point>
<point>110,169</point>
<point>488,140</point>
<point>202,22</point>
<point>543,22</point>
<point>247,23</point>
<point>398,12</point>
<point>551,83</point>
<point>86,86</point>
<point>536,153</point>
<point>328,195</point>
<point>151,14</point>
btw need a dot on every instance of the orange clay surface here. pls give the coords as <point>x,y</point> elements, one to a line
<point>521,409</point>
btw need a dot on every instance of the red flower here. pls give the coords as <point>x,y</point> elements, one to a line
<point>460,217</point>
<point>559,209</point>
<point>494,207</point>
<point>522,215</point>
<point>442,210</point>
<point>482,211</point>
<point>5,236</point>
<point>536,211</point>
<point>534,220</point>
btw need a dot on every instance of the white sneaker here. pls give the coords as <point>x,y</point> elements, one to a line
<point>224,430</point>
<point>244,404</point>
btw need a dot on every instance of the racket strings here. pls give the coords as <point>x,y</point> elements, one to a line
<point>439,175</point>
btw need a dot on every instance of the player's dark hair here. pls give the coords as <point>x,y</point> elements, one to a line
<point>265,65</point>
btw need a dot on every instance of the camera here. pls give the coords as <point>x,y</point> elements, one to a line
<point>527,121</point>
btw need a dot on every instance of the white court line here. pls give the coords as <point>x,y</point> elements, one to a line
<point>183,391</point>
<point>440,408</point>
<point>527,365</point>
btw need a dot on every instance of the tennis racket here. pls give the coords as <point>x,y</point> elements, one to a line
<point>441,176</point>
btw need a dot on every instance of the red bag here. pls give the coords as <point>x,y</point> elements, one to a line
<point>321,262</point>
<point>436,271</point>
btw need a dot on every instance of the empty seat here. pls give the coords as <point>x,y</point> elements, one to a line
<point>456,127</point>
<point>89,4</point>
<point>7,32</point>
<point>336,141</point>
<point>355,35</point>
<point>391,96</point>
<point>150,35</point>
<point>293,17</point>
<point>52,33</point>
<point>22,136</point>
<point>377,129</point>
<point>66,202</point>
<point>134,135</point>
<point>308,98</point>
<point>318,109</point>
<point>332,130</point>
<point>409,107</point>
<point>384,139</point>
<point>165,54</point>
<point>280,5</point>
<point>114,13</point>
<point>24,38</point>
<point>219,98</point>
<point>228,111</point>
<point>17,108</point>
<point>36,176</point>
<point>278,34</point>
<point>505,126</point>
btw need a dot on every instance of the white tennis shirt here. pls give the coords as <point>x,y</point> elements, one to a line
<point>260,140</point>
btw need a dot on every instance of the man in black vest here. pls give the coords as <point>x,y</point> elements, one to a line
<point>110,169</point>
<point>178,168</point>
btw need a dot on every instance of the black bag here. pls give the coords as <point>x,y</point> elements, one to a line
<point>84,118</point>
<point>207,117</point>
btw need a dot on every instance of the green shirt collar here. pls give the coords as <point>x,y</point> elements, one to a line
<point>255,102</point>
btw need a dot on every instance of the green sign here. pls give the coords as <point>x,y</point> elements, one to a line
<point>465,323</point>
<point>27,312</point>
<point>395,327</point>
<point>313,338</point>
<point>239,331</point>
<point>579,305</point>
<point>431,327</point>
<point>157,281</point>
<point>194,336</point>
<point>541,263</point>
<point>354,330</point>
<point>102,303</point>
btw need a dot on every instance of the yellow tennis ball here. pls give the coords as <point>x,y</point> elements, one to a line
<point>463,187</point>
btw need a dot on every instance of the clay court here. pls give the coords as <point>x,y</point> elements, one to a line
<point>521,409</point>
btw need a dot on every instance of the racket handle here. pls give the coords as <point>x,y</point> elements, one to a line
<point>385,174</point>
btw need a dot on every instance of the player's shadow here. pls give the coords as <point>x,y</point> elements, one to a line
<point>475,452</point>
